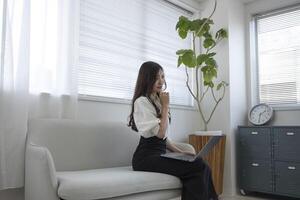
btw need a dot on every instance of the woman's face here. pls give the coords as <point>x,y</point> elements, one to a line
<point>160,81</point>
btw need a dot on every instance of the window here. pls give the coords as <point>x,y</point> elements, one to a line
<point>278,57</point>
<point>116,37</point>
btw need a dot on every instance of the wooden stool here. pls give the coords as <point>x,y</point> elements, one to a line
<point>215,158</point>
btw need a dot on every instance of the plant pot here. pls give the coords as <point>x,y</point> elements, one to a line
<point>215,158</point>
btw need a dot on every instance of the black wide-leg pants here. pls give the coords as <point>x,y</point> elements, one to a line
<point>195,176</point>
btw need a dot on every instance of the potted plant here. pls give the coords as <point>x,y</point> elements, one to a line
<point>202,61</point>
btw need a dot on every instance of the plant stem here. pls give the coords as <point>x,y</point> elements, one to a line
<point>197,82</point>
<point>202,115</point>
<point>217,102</point>
<point>187,84</point>
<point>213,94</point>
<point>203,94</point>
<point>197,68</point>
<point>196,99</point>
<point>200,29</point>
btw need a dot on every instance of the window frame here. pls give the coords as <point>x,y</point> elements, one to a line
<point>103,99</point>
<point>254,66</point>
<point>82,97</point>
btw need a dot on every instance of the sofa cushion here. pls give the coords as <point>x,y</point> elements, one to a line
<point>83,145</point>
<point>111,182</point>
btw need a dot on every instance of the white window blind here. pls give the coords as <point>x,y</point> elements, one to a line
<point>117,36</point>
<point>278,42</point>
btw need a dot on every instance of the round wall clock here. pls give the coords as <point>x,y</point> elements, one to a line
<point>260,114</point>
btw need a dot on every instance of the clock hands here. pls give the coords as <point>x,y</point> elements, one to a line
<point>260,115</point>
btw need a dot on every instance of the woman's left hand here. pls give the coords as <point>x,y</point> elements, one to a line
<point>189,153</point>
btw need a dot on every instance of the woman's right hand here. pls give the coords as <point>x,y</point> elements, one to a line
<point>164,98</point>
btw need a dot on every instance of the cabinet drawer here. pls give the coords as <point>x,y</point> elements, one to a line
<point>256,175</point>
<point>287,144</point>
<point>287,176</point>
<point>255,143</point>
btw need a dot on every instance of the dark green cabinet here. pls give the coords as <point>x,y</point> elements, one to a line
<point>269,159</point>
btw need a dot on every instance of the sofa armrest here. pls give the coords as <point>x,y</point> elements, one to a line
<point>40,178</point>
<point>185,147</point>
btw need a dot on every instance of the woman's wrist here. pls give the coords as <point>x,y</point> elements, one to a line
<point>165,106</point>
<point>164,112</point>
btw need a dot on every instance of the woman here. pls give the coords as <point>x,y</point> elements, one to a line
<point>150,118</point>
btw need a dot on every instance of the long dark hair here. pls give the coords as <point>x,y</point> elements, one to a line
<point>144,86</point>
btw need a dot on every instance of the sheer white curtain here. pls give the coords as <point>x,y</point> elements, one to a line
<point>14,93</point>
<point>54,30</point>
<point>38,75</point>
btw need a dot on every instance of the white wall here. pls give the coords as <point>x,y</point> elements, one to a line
<point>231,59</point>
<point>238,94</point>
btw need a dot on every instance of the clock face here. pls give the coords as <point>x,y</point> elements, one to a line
<point>260,114</point>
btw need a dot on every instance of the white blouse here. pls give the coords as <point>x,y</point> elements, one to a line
<point>145,118</point>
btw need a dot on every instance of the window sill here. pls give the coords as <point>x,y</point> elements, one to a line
<point>82,97</point>
<point>286,107</point>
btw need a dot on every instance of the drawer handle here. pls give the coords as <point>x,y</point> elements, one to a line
<point>254,133</point>
<point>255,164</point>
<point>291,167</point>
<point>290,133</point>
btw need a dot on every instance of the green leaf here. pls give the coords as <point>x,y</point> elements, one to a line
<point>214,72</point>
<point>195,25</point>
<point>204,69</point>
<point>223,83</point>
<point>209,84</point>
<point>221,34</point>
<point>210,62</point>
<point>207,35</point>
<point>208,73</point>
<point>189,59</point>
<point>219,86</point>
<point>208,42</point>
<point>201,58</point>
<point>179,62</point>
<point>181,22</point>
<point>181,51</point>
<point>203,30</point>
<point>211,54</point>
<point>183,26</point>
<point>182,33</point>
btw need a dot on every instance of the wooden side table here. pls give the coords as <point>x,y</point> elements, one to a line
<point>215,158</point>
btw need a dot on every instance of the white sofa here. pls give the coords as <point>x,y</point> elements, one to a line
<point>77,160</point>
